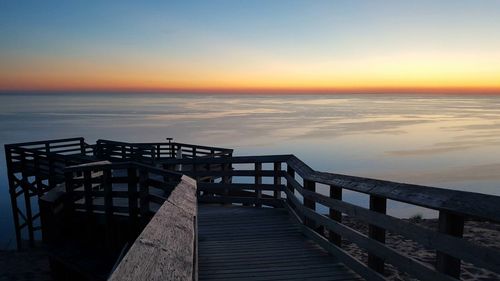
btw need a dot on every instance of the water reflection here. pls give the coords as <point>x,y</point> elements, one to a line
<point>447,141</point>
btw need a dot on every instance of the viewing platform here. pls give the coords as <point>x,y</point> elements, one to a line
<point>175,211</point>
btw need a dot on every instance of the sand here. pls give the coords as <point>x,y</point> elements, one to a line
<point>480,233</point>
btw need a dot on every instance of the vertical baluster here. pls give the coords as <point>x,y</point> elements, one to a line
<point>27,199</point>
<point>225,180</point>
<point>308,203</point>
<point>132,200</point>
<point>70,200</point>
<point>258,183</point>
<point>379,205</point>
<point>87,190</point>
<point>277,180</point>
<point>291,173</point>
<point>108,206</point>
<point>335,193</point>
<point>143,194</point>
<point>450,224</point>
<point>13,185</point>
<point>82,147</point>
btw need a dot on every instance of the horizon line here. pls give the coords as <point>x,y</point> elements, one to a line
<point>263,90</point>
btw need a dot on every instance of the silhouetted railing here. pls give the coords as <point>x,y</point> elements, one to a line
<point>300,196</point>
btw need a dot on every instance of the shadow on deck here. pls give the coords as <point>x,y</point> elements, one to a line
<point>250,243</point>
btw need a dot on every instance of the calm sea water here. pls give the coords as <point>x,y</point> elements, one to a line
<point>445,141</point>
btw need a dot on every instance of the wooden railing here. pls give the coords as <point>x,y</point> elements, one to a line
<point>300,197</point>
<point>167,247</point>
<point>260,179</point>
<point>123,151</point>
<point>34,168</point>
<point>150,151</point>
<point>110,204</point>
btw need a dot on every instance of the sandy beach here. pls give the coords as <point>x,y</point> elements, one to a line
<point>480,233</point>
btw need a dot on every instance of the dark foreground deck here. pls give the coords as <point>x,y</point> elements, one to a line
<point>247,243</point>
<point>139,211</point>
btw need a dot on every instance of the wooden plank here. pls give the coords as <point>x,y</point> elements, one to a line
<point>258,181</point>
<point>379,205</point>
<point>165,250</point>
<point>482,256</point>
<point>467,203</point>
<point>450,224</point>
<point>277,179</point>
<point>335,193</point>
<point>401,261</point>
<point>233,245</point>
<point>311,204</point>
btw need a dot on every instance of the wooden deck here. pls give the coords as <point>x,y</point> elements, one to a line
<point>246,243</point>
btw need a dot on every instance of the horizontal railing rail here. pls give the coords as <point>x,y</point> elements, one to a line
<point>454,208</point>
<point>97,186</point>
<point>300,197</point>
<point>166,249</point>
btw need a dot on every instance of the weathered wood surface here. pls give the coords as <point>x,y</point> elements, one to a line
<point>166,248</point>
<point>462,202</point>
<point>246,243</point>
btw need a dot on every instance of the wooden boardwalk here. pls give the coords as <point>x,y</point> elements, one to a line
<point>245,243</point>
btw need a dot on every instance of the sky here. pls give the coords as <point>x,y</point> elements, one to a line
<point>235,45</point>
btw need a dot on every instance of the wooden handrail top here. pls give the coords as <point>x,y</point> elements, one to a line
<point>121,165</point>
<point>39,152</point>
<point>167,247</point>
<point>473,204</point>
<point>45,141</point>
<point>229,160</point>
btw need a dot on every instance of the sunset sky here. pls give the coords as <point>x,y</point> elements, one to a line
<point>324,46</point>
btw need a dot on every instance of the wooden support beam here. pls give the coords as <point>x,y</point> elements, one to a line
<point>277,179</point>
<point>308,203</point>
<point>133,209</point>
<point>379,205</point>
<point>335,193</point>
<point>453,225</point>
<point>258,180</point>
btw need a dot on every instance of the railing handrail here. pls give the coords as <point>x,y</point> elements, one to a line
<point>169,254</point>
<point>473,204</point>
<point>478,205</point>
<point>120,165</point>
<point>46,141</point>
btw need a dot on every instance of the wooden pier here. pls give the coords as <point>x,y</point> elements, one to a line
<point>174,211</point>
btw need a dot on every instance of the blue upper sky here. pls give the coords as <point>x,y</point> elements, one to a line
<point>228,43</point>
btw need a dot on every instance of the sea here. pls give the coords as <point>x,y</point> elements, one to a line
<point>447,141</point>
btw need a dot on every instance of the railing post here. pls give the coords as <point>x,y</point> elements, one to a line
<point>143,194</point>
<point>13,185</point>
<point>277,180</point>
<point>453,225</point>
<point>335,193</point>
<point>258,181</point>
<point>379,205</point>
<point>308,203</point>
<point>132,200</point>
<point>70,198</point>
<point>82,146</point>
<point>225,180</point>
<point>291,172</point>
<point>108,206</point>
<point>27,199</point>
